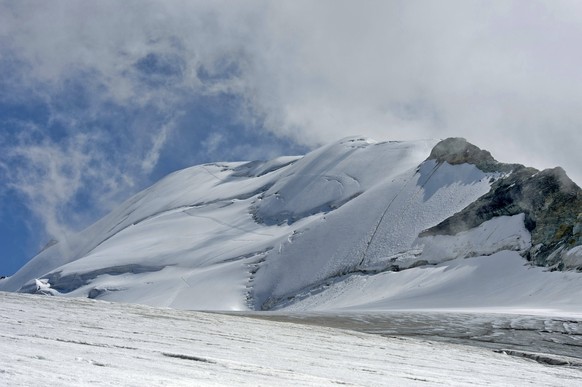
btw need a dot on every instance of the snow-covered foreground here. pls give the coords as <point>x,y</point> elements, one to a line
<point>67,341</point>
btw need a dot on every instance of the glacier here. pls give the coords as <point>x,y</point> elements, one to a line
<point>349,225</point>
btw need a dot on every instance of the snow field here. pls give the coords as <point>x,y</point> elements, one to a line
<point>72,342</point>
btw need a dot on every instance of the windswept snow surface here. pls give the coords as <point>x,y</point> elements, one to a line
<point>72,342</point>
<point>332,229</point>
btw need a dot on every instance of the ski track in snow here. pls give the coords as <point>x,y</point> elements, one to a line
<point>71,342</point>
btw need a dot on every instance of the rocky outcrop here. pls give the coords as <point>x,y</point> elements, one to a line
<point>457,150</point>
<point>551,202</point>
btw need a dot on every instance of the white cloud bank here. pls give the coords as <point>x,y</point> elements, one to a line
<point>505,74</point>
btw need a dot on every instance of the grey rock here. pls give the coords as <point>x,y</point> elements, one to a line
<point>550,200</point>
<point>457,150</point>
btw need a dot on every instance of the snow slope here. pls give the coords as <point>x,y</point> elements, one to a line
<point>268,235</point>
<point>72,342</point>
<point>500,282</point>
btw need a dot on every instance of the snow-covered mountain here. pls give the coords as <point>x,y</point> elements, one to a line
<point>357,224</point>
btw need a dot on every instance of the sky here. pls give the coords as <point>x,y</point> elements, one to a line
<point>99,100</point>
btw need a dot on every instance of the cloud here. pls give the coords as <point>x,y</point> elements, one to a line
<point>56,178</point>
<point>153,154</point>
<point>93,93</point>
<point>502,74</point>
<point>112,83</point>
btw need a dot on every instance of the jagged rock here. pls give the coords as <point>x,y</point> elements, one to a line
<point>551,202</point>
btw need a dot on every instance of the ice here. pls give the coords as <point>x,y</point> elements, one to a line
<point>498,234</point>
<point>71,342</point>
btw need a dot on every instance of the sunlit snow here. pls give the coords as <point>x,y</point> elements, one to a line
<point>72,342</point>
<point>332,229</point>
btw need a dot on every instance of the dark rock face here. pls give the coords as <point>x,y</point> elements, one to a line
<point>551,202</point>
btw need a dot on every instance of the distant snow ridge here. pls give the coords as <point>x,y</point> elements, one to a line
<point>314,231</point>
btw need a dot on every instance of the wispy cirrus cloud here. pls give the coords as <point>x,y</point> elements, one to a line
<point>95,94</point>
<point>57,179</point>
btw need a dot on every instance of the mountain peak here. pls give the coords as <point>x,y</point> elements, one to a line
<point>457,150</point>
